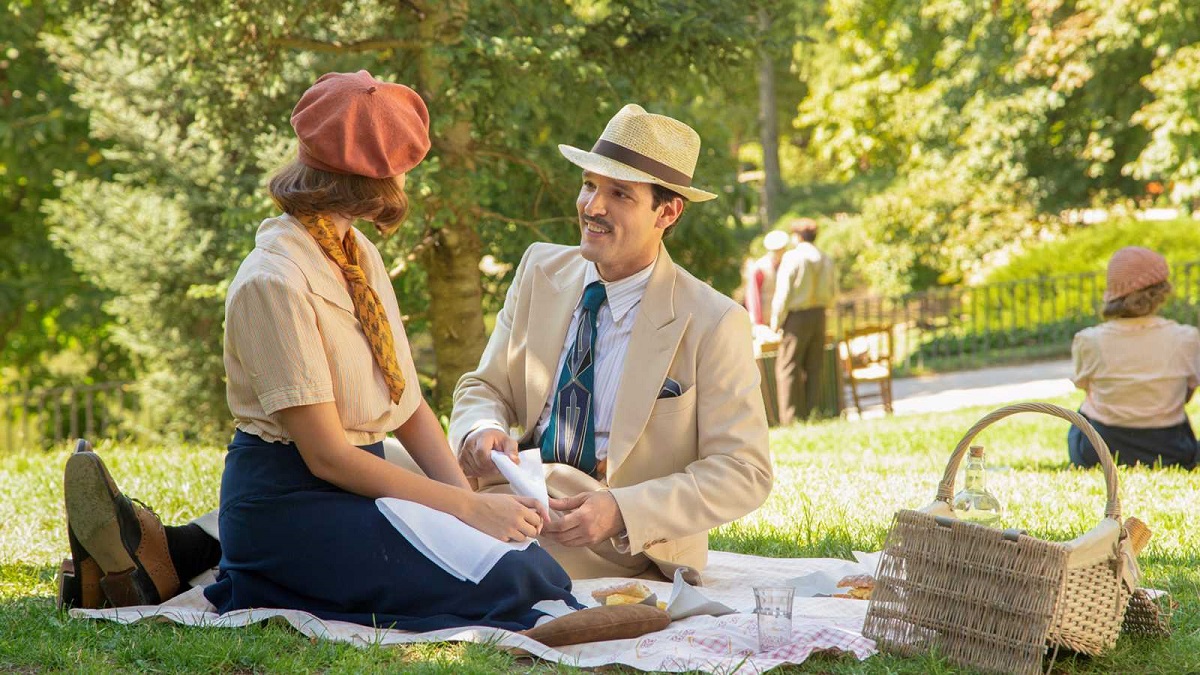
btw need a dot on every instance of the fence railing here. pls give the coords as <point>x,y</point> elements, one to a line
<point>943,328</point>
<point>971,326</point>
<point>42,418</point>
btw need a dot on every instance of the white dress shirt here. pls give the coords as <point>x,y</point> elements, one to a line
<point>614,325</point>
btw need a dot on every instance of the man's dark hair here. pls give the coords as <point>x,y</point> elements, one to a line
<point>662,195</point>
<point>805,229</point>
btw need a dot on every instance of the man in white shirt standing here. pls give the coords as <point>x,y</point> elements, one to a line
<point>635,380</point>
<point>804,287</point>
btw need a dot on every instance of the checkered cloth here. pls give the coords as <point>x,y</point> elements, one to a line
<point>699,643</point>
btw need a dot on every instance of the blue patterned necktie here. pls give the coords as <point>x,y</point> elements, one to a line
<point>570,437</point>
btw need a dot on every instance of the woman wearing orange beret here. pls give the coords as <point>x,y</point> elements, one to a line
<point>319,370</point>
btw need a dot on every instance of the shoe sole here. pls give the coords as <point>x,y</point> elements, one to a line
<point>90,493</point>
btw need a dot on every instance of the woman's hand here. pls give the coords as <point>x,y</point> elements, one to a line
<point>505,517</point>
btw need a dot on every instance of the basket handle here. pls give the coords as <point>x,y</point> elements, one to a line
<point>1111,510</point>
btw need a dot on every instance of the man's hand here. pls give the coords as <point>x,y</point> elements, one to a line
<point>588,518</point>
<point>476,455</point>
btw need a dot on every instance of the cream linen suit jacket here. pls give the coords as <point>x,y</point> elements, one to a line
<point>677,466</point>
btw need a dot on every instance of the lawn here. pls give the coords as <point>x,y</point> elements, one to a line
<point>837,484</point>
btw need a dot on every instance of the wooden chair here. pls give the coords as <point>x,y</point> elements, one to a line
<point>865,360</point>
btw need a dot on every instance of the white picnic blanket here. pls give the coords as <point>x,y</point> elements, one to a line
<point>712,644</point>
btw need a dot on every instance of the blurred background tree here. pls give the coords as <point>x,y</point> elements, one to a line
<point>53,326</point>
<point>933,139</point>
<point>192,101</point>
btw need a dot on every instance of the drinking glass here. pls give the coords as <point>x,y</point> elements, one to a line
<point>773,605</point>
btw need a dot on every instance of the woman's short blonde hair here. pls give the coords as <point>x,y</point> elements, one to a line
<point>301,190</point>
<point>1143,302</point>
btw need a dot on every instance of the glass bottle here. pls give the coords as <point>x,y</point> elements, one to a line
<point>974,503</point>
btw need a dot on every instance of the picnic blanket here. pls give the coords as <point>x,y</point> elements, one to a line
<point>723,644</point>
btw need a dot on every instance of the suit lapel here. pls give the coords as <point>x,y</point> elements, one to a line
<point>555,296</point>
<point>652,344</point>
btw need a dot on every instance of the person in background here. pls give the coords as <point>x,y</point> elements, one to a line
<point>804,287</point>
<point>760,278</point>
<point>1138,369</point>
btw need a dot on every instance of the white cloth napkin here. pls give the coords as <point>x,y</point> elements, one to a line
<point>461,550</point>
<point>824,583</point>
<point>687,600</point>
<point>527,478</point>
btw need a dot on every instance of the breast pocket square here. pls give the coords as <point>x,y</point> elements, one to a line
<point>670,389</point>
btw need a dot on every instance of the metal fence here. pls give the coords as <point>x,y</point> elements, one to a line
<point>973,326</point>
<point>943,328</point>
<point>42,418</point>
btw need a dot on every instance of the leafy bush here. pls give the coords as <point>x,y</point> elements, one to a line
<point>1088,248</point>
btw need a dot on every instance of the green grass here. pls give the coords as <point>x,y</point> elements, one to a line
<point>837,485</point>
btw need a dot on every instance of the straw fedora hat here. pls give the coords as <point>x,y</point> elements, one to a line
<point>645,148</point>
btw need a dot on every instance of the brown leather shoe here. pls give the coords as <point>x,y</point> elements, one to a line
<point>125,540</point>
<point>79,575</point>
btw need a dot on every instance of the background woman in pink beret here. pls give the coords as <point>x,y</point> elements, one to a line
<point>1138,369</point>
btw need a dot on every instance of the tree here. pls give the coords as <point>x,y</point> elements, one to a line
<point>984,120</point>
<point>194,98</point>
<point>47,309</point>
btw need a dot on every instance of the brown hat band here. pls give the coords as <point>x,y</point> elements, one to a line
<point>641,162</point>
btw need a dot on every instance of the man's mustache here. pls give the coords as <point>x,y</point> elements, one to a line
<point>597,221</point>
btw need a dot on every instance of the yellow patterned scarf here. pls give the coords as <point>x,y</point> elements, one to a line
<point>367,306</point>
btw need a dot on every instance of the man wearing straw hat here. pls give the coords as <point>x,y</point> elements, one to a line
<point>635,381</point>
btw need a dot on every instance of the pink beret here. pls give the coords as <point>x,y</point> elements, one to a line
<point>1132,269</point>
<point>351,123</point>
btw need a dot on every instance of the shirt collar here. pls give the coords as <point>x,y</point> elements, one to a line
<point>286,236</point>
<point>622,295</point>
<point>1135,323</point>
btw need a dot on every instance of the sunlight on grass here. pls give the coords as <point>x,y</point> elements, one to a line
<point>837,485</point>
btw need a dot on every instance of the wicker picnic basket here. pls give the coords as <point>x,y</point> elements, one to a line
<point>995,600</point>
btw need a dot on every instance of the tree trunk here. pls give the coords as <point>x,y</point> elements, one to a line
<point>452,261</point>
<point>768,130</point>
<point>455,306</point>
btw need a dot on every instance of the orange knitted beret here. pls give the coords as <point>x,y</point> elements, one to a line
<point>351,123</point>
<point>1132,269</point>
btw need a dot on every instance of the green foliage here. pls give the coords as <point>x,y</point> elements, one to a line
<point>52,328</point>
<point>983,120</point>
<point>191,102</point>
<point>1086,249</point>
<point>952,133</point>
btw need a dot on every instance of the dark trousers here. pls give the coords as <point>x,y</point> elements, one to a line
<point>799,362</point>
<point>1168,446</point>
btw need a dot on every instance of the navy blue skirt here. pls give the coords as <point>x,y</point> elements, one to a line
<point>1170,446</point>
<point>291,540</point>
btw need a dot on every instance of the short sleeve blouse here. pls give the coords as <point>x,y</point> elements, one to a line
<point>292,339</point>
<point>1137,371</point>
